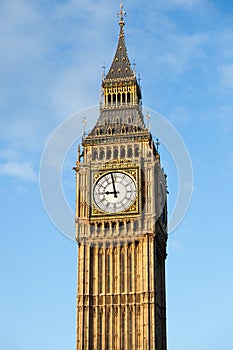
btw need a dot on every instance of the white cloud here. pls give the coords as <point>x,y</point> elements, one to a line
<point>22,171</point>
<point>226,77</point>
<point>179,115</point>
<point>184,4</point>
<point>183,50</point>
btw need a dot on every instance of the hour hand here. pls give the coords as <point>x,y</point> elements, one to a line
<point>112,193</point>
<point>114,187</point>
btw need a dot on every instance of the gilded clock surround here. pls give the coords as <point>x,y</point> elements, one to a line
<point>121,301</point>
<point>134,208</point>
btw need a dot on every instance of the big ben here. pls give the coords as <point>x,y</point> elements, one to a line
<point>121,221</point>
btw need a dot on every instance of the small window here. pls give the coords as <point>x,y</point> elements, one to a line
<point>102,154</point>
<point>129,152</point>
<point>108,154</point>
<point>123,130</point>
<point>115,153</point>
<point>122,154</point>
<point>94,155</point>
<point>135,225</point>
<point>136,152</point>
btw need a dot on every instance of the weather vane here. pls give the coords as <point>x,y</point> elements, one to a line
<point>121,14</point>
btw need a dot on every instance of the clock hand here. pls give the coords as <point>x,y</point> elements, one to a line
<point>112,193</point>
<point>114,187</point>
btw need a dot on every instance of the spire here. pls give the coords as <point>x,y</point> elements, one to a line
<point>120,105</point>
<point>121,68</point>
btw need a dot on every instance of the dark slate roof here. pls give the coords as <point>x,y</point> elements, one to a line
<point>116,118</point>
<point>122,116</point>
<point>120,67</point>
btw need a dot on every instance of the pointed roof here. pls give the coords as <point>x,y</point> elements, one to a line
<point>120,68</point>
<point>124,119</point>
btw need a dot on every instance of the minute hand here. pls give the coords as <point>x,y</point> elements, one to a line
<point>114,187</point>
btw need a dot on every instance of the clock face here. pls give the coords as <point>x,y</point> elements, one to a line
<point>114,192</point>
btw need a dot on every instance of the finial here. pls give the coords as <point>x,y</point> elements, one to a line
<point>103,70</point>
<point>134,66</point>
<point>84,122</point>
<point>148,120</point>
<point>121,14</point>
<point>139,79</point>
<point>157,144</point>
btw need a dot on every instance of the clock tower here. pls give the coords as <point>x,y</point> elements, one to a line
<point>121,221</point>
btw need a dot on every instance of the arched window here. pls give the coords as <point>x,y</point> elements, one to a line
<point>121,225</point>
<point>136,151</point>
<point>122,267</point>
<point>129,120</point>
<point>102,154</point>
<point>108,153</point>
<point>114,98</point>
<point>118,97</point>
<point>100,265</point>
<point>109,131</point>
<point>92,228</point>
<point>115,153</point>
<point>123,329</point>
<point>114,226</point>
<point>130,329</point>
<point>130,268</point>
<point>135,225</point>
<point>106,226</point>
<point>109,98</point>
<point>108,265</point>
<point>123,129</point>
<point>99,225</point>
<point>123,98</point>
<point>128,97</point>
<point>129,152</point>
<point>101,328</point>
<point>122,154</point>
<point>94,154</point>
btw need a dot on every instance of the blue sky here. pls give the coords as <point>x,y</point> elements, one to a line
<point>50,67</point>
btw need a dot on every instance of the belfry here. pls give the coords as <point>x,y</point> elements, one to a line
<point>121,221</point>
